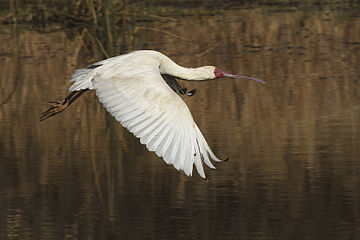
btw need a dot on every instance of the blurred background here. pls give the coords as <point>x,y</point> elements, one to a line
<point>293,143</point>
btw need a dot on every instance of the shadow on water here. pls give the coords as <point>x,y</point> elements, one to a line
<point>294,168</point>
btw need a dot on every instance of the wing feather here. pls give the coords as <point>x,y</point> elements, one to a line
<point>144,104</point>
<point>142,126</point>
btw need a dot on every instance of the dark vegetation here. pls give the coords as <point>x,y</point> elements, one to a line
<point>100,12</point>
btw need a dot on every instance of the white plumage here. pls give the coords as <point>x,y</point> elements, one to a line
<point>139,98</point>
<point>132,89</point>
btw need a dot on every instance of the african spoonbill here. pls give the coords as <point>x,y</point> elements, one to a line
<point>140,89</point>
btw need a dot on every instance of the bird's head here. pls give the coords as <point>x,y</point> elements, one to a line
<point>220,73</point>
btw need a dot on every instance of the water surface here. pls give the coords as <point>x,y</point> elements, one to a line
<point>293,143</point>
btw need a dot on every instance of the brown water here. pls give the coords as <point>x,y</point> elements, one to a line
<point>294,143</point>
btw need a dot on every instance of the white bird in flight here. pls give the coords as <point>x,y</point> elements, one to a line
<point>140,90</point>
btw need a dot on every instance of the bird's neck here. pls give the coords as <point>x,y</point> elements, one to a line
<point>169,67</point>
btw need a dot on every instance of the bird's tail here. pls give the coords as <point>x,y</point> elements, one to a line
<point>82,78</point>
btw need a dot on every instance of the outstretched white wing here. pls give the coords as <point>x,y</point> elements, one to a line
<point>144,104</point>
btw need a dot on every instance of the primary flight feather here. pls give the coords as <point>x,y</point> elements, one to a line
<point>140,90</point>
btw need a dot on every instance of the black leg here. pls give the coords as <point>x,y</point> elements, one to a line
<point>58,107</point>
<point>70,96</point>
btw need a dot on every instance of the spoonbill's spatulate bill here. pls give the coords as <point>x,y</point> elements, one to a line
<point>140,89</point>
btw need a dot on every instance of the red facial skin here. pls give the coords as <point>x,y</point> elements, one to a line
<point>220,73</point>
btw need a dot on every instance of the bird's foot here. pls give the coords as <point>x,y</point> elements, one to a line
<point>56,107</point>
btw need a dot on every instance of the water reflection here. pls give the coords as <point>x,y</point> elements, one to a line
<point>294,143</point>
